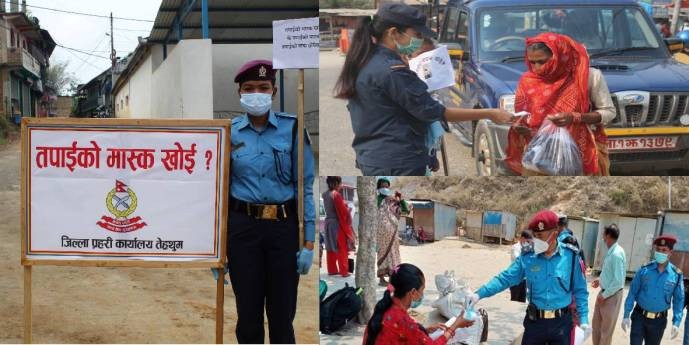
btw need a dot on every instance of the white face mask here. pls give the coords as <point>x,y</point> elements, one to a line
<point>540,246</point>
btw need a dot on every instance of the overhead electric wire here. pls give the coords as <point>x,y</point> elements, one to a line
<point>80,13</point>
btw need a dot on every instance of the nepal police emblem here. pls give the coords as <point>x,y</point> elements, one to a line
<point>121,202</point>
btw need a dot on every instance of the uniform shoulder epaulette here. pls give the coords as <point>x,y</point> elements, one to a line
<point>286,115</point>
<point>396,67</point>
<point>236,119</point>
<point>570,247</point>
<point>677,270</point>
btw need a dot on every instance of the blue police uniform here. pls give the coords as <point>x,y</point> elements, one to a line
<point>261,252</point>
<point>264,169</point>
<point>567,237</point>
<point>391,114</point>
<point>263,237</point>
<point>654,292</point>
<point>551,283</point>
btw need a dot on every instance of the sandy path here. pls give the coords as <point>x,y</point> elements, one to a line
<point>476,263</point>
<point>115,305</point>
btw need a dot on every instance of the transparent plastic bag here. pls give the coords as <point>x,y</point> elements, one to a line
<point>552,151</point>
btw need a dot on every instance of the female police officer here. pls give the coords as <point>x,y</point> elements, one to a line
<point>390,107</point>
<point>263,232</point>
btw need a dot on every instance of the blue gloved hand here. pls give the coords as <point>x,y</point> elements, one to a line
<point>216,273</point>
<point>304,260</point>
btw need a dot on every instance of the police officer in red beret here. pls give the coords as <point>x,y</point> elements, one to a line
<point>553,276</point>
<point>263,240</point>
<point>656,286</point>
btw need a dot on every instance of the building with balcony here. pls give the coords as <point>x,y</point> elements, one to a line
<point>25,50</point>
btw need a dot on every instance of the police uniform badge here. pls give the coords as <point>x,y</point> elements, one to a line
<point>262,72</point>
<point>541,226</point>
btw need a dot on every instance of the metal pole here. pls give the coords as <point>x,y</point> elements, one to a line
<point>204,18</point>
<point>675,16</point>
<point>113,58</point>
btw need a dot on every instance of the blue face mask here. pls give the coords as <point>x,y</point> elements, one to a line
<point>414,45</point>
<point>256,104</point>
<point>660,258</point>
<point>416,303</point>
<point>385,191</point>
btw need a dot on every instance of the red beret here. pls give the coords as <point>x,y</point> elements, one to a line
<point>255,70</point>
<point>666,240</point>
<point>543,220</point>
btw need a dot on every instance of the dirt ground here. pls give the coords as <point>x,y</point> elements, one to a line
<point>476,263</point>
<point>115,305</point>
<point>336,133</point>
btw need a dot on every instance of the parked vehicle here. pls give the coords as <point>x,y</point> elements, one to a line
<point>486,39</point>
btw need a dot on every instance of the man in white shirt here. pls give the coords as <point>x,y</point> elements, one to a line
<point>611,282</point>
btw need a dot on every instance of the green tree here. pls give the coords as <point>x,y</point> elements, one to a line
<point>58,78</point>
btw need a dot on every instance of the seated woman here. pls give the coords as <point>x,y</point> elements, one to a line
<point>561,87</point>
<point>391,324</point>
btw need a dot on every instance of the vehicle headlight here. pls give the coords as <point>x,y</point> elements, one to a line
<point>684,120</point>
<point>507,103</point>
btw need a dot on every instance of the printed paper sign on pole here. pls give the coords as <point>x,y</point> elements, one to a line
<point>434,68</point>
<point>123,192</point>
<point>295,43</point>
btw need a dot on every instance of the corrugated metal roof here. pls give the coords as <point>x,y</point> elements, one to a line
<point>230,21</point>
<point>346,12</point>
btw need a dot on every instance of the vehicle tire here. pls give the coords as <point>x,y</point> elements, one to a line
<point>483,150</point>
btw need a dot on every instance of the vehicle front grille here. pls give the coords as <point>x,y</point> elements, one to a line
<point>663,109</point>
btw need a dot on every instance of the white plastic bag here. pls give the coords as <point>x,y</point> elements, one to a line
<point>552,151</point>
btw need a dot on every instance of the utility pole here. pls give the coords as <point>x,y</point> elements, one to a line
<point>113,58</point>
<point>675,16</point>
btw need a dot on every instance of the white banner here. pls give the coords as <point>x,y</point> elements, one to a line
<point>434,68</point>
<point>149,193</point>
<point>296,43</point>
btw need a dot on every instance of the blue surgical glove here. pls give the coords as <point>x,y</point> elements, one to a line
<point>216,273</point>
<point>304,260</point>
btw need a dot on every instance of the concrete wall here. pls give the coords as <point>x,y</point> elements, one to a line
<point>63,106</point>
<point>138,91</point>
<point>182,85</point>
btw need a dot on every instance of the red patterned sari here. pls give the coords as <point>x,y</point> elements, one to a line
<point>560,86</point>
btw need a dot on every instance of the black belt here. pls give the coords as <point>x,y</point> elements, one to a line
<point>534,313</point>
<point>650,315</point>
<point>264,211</point>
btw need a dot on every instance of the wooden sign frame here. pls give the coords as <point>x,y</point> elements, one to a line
<point>28,263</point>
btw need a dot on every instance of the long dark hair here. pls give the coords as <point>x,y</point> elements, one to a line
<point>404,278</point>
<point>360,52</point>
<point>333,182</point>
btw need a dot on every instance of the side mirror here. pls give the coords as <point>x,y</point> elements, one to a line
<point>674,44</point>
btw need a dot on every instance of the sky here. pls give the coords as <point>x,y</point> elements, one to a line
<point>89,33</point>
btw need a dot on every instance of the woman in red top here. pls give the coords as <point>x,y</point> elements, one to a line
<point>391,324</point>
<point>338,228</point>
<point>556,87</point>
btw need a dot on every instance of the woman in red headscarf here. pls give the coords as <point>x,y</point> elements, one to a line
<point>561,87</point>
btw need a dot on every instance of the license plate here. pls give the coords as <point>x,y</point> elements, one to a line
<point>642,143</point>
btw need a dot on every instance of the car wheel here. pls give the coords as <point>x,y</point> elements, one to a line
<point>483,150</point>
